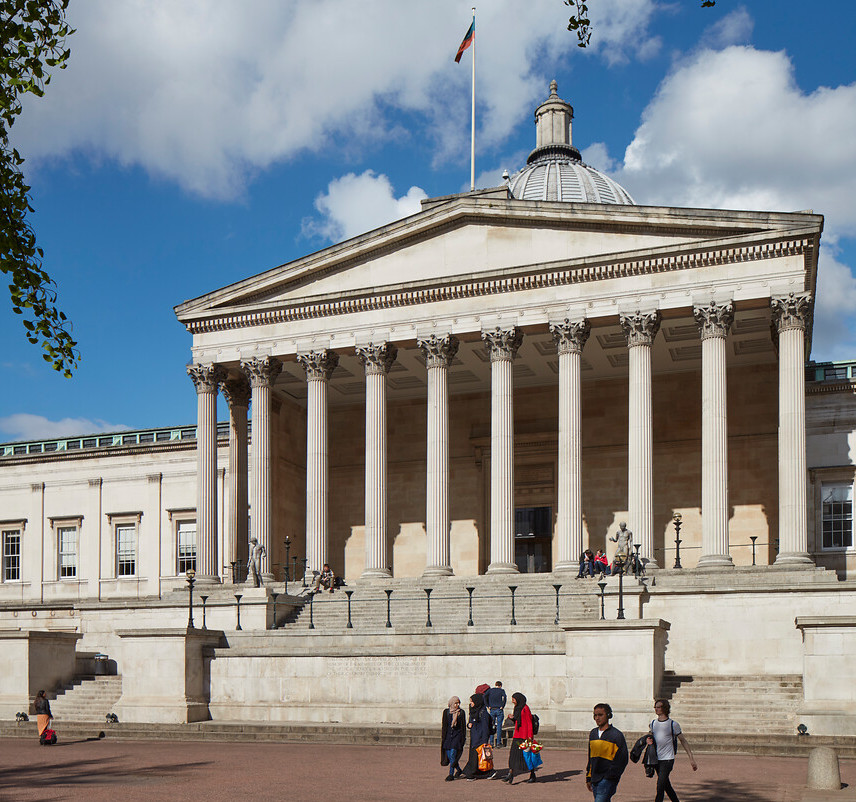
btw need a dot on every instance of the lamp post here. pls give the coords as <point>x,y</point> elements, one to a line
<point>470,620</point>
<point>428,600</point>
<point>311,611</point>
<point>204,600</point>
<point>191,580</point>
<point>620,589</point>
<point>349,593</point>
<point>388,621</point>
<point>558,588</point>
<point>602,586</point>
<point>676,520</point>
<point>238,609</point>
<point>512,588</point>
<point>637,565</point>
<point>275,595</point>
<point>305,563</point>
<point>287,553</point>
<point>753,538</point>
<point>294,566</point>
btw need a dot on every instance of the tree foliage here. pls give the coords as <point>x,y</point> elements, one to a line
<point>32,41</point>
<point>580,23</point>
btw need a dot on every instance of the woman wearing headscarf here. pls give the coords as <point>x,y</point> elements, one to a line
<point>479,726</point>
<point>453,736</point>
<point>522,717</point>
<point>43,712</point>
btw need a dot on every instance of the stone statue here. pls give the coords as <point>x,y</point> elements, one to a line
<point>623,538</point>
<point>254,568</point>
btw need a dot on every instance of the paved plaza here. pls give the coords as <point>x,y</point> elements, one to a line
<point>96,770</point>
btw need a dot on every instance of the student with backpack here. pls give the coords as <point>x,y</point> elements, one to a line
<point>665,734</point>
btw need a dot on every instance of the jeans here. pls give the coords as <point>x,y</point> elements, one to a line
<point>664,785</point>
<point>498,716</point>
<point>604,790</point>
<point>454,756</point>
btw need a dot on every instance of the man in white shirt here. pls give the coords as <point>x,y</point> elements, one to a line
<point>666,733</point>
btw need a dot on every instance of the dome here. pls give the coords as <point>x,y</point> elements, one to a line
<point>554,170</point>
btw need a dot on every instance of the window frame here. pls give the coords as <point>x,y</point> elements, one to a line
<point>825,489</point>
<point>824,478</point>
<point>7,530</point>
<point>127,521</point>
<point>189,562</point>
<point>59,525</point>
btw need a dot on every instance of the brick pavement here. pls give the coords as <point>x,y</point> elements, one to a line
<point>100,770</point>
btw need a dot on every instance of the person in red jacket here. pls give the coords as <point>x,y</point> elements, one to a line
<point>522,718</point>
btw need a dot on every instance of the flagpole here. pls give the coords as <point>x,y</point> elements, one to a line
<point>473,121</point>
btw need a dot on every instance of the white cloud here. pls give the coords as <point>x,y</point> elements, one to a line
<point>354,204</point>
<point>207,92</point>
<point>24,426</point>
<point>597,155</point>
<point>734,28</point>
<point>834,332</point>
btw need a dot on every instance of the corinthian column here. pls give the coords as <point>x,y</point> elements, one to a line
<point>377,360</point>
<point>319,366</point>
<point>639,332</point>
<point>262,374</point>
<point>237,395</point>
<point>502,344</point>
<point>570,339</point>
<point>790,318</point>
<point>206,378</point>
<point>439,352</point>
<point>714,321</point>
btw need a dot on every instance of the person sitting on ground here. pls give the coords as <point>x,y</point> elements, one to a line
<point>586,564</point>
<point>601,563</point>
<point>326,579</point>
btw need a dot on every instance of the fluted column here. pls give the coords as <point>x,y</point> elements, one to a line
<point>502,344</point>
<point>439,352</point>
<point>639,332</point>
<point>790,318</point>
<point>570,338</point>
<point>237,395</point>
<point>262,373</point>
<point>319,366</point>
<point>206,378</point>
<point>714,321</point>
<point>377,360</point>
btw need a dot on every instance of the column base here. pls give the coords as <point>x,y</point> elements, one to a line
<point>566,567</point>
<point>794,558</point>
<point>715,561</point>
<point>438,570</point>
<point>376,573</point>
<point>503,568</point>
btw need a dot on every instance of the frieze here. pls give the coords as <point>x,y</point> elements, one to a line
<point>439,351</point>
<point>319,365</point>
<point>714,320</point>
<point>570,336</point>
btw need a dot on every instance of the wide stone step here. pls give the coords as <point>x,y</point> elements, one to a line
<point>89,699</point>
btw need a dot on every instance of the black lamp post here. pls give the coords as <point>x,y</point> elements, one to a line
<point>637,565</point>
<point>470,620</point>
<point>287,553</point>
<point>204,600</point>
<point>620,564</point>
<point>311,611</point>
<point>753,538</point>
<point>428,600</point>
<point>512,588</point>
<point>238,597</point>
<point>294,565</point>
<point>349,593</point>
<point>305,563</point>
<point>388,621</point>
<point>558,588</point>
<point>275,595</point>
<point>234,567</point>
<point>602,586</point>
<point>676,520</point>
<point>191,581</point>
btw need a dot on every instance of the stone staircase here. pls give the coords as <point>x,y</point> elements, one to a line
<point>534,605</point>
<point>87,698</point>
<point>762,705</point>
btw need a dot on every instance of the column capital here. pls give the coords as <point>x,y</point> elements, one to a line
<point>319,365</point>
<point>640,328</point>
<point>792,311</point>
<point>439,351</point>
<point>206,378</point>
<point>714,320</point>
<point>570,336</point>
<point>236,392</point>
<point>503,344</point>
<point>377,359</point>
<point>261,372</point>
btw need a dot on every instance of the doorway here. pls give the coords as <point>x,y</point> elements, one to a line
<point>533,539</point>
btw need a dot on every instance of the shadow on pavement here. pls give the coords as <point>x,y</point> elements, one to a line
<point>557,776</point>
<point>719,790</point>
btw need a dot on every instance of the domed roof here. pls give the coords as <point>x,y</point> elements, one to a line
<point>554,170</point>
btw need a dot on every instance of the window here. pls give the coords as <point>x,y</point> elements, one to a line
<point>837,516</point>
<point>67,541</point>
<point>11,555</point>
<point>186,546</point>
<point>126,550</point>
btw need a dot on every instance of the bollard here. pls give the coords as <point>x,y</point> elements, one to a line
<point>823,771</point>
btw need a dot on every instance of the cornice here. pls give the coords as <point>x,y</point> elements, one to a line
<point>688,256</point>
<point>816,388</point>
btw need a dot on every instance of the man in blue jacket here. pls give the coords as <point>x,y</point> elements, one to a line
<point>607,755</point>
<point>495,700</point>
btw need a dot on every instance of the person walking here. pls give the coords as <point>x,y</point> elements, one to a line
<point>607,755</point>
<point>479,727</point>
<point>452,738</point>
<point>43,712</point>
<point>665,734</point>
<point>522,717</point>
<point>495,700</point>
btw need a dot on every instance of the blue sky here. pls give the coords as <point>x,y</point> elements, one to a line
<point>192,143</point>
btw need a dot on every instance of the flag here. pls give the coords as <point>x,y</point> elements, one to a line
<point>468,40</point>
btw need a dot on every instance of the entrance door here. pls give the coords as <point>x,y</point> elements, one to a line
<point>533,539</point>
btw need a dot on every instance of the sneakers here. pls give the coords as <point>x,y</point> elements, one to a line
<point>494,776</point>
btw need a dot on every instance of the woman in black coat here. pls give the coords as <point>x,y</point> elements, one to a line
<point>479,727</point>
<point>453,736</point>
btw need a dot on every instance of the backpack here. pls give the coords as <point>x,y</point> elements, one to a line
<point>48,737</point>
<point>536,724</point>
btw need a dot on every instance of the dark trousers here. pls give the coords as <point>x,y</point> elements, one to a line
<point>664,785</point>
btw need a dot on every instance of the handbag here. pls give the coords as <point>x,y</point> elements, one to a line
<point>485,754</point>
<point>532,760</point>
